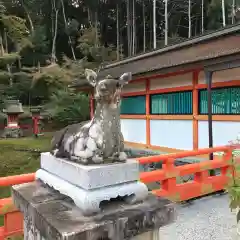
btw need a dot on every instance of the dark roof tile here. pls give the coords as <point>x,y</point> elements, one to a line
<point>223,46</point>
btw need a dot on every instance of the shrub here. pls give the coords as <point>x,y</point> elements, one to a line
<point>234,185</point>
<point>67,107</point>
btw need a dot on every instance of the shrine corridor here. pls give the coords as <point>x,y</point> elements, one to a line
<point>208,218</point>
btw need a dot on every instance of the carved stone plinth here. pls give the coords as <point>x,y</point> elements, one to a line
<point>48,215</point>
<point>88,186</point>
<point>12,132</point>
<point>91,176</point>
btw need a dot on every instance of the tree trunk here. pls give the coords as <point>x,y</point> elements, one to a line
<point>1,46</point>
<point>202,8</point>
<point>128,29</point>
<point>30,22</point>
<point>69,37</point>
<point>10,75</point>
<point>223,13</point>
<point>196,24</point>
<point>53,59</point>
<point>118,35</point>
<point>150,42</point>
<point>28,17</point>
<point>96,29</point>
<point>233,11</point>
<point>133,29</point>
<point>89,16</point>
<point>6,41</point>
<point>52,18</point>
<point>144,26</point>
<point>154,25</point>
<point>189,20</point>
<point>166,22</point>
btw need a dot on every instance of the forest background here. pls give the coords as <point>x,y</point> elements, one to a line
<point>45,45</point>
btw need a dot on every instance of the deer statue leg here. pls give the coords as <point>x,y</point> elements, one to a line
<point>122,154</point>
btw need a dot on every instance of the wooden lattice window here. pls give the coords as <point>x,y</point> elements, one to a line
<point>225,101</point>
<point>175,103</point>
<point>133,105</point>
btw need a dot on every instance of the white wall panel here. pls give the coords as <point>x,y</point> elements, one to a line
<point>170,82</point>
<point>172,133</point>
<point>221,76</point>
<point>223,132</point>
<point>134,87</point>
<point>134,130</point>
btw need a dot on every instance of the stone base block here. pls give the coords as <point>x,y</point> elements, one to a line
<point>49,215</point>
<point>91,176</point>
<point>12,132</point>
<point>153,235</point>
<point>89,200</point>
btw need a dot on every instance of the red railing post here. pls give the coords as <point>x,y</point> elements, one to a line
<point>228,171</point>
<point>169,184</point>
<point>200,177</point>
<point>1,233</point>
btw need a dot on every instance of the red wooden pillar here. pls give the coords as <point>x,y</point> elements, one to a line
<point>35,118</point>
<point>35,125</point>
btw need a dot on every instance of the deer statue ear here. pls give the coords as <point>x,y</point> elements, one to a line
<point>91,76</point>
<point>125,78</point>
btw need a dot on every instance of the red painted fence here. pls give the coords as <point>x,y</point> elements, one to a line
<point>202,183</point>
<point>13,219</point>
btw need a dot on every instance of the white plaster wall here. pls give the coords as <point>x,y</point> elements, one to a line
<point>172,133</point>
<point>221,76</point>
<point>223,132</point>
<point>170,82</point>
<point>134,87</point>
<point>134,130</point>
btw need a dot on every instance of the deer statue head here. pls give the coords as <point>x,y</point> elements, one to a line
<point>99,140</point>
<point>107,90</point>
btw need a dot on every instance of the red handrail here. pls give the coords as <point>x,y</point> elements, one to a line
<point>17,179</point>
<point>202,183</point>
<point>165,157</point>
<point>13,219</point>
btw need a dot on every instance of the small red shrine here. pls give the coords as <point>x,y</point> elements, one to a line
<point>13,110</point>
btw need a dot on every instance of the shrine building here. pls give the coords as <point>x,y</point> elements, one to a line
<point>182,97</point>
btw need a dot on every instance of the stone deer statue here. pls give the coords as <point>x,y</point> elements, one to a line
<point>99,140</point>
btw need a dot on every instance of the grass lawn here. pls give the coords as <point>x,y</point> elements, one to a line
<point>18,156</point>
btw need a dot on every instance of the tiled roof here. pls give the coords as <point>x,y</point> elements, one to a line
<point>223,46</point>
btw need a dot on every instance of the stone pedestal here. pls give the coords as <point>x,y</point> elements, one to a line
<point>48,215</point>
<point>12,132</point>
<point>88,186</point>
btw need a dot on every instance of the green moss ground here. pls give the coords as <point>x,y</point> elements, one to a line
<point>18,156</point>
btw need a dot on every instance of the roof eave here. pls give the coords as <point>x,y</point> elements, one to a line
<point>195,40</point>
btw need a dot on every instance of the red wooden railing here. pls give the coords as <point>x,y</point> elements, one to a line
<point>13,219</point>
<point>202,183</point>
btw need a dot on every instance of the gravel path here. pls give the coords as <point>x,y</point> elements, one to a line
<point>208,218</point>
